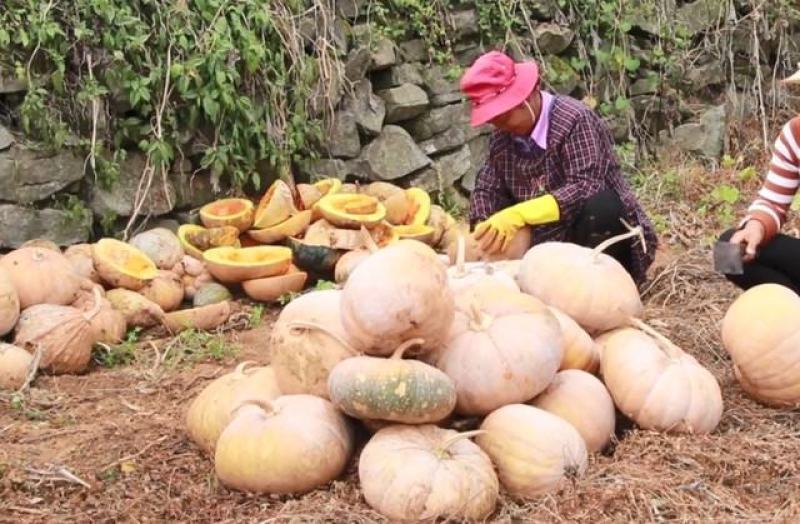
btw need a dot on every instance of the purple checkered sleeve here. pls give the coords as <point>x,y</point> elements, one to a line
<point>582,156</point>
<point>490,194</point>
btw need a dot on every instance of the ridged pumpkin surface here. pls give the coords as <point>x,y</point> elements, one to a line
<point>406,391</point>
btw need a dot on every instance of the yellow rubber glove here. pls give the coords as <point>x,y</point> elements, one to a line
<point>495,233</point>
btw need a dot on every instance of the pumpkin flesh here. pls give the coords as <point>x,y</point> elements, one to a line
<point>234,265</point>
<point>122,265</point>
<point>235,212</point>
<point>350,211</point>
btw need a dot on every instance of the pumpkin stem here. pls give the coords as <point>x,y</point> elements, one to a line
<point>261,403</point>
<point>632,232</point>
<point>442,450</point>
<point>369,242</point>
<point>405,346</point>
<point>298,326</point>
<point>666,344</point>
<point>478,320</point>
<point>97,305</point>
<point>240,369</point>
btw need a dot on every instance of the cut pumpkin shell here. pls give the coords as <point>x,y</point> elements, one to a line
<point>235,212</point>
<point>291,227</point>
<point>272,288</point>
<point>323,233</point>
<point>309,195</point>
<point>121,265</point>
<point>275,206</point>
<point>419,206</point>
<point>328,186</point>
<point>196,239</point>
<point>393,198</point>
<point>421,233</point>
<point>231,265</point>
<point>351,211</point>
<point>204,318</point>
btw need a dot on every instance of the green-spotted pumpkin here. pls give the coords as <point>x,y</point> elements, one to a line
<point>392,389</point>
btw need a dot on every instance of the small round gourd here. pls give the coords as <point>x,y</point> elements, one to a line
<point>393,389</point>
<point>15,364</point>
<point>420,473</point>
<point>591,287</point>
<point>582,400</point>
<point>656,384</point>
<point>291,445</point>
<point>504,347</point>
<point>761,334</point>
<point>535,452</point>
<point>210,411</point>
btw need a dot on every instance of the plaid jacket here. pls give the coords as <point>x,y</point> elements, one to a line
<point>579,162</point>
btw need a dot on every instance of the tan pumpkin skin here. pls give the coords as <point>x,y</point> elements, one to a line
<point>41,276</point>
<point>393,389</point>
<point>580,350</point>
<point>427,476</point>
<point>348,262</point>
<point>303,359</point>
<point>582,400</point>
<point>596,292</point>
<point>9,303</point>
<point>760,333</point>
<point>15,364</point>
<point>137,310</point>
<point>166,290</point>
<point>399,293</point>
<point>535,452</point>
<point>161,245</point>
<point>108,325</point>
<point>63,333</point>
<point>659,391</point>
<point>210,411</point>
<point>80,256</point>
<point>300,443</point>
<point>205,318</point>
<point>508,355</point>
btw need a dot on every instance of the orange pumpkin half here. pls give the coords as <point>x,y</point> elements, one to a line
<point>122,265</point>
<point>232,265</point>
<point>236,212</point>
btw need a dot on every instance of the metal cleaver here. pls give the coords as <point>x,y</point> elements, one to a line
<point>728,258</point>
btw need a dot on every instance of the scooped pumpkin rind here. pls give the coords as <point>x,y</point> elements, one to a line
<point>210,214</point>
<point>214,237</point>
<point>233,265</point>
<point>292,226</point>
<point>420,208</point>
<point>332,209</point>
<point>122,265</point>
<point>275,206</point>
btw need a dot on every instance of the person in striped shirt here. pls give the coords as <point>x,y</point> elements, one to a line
<point>770,256</point>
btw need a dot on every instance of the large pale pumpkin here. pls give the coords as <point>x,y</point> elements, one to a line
<point>657,385</point>
<point>580,350</point>
<point>108,325</point>
<point>399,293</point>
<point>15,364</point>
<point>535,452</point>
<point>582,400</point>
<point>424,473</point>
<point>307,341</point>
<point>161,245</point>
<point>41,276</point>
<point>393,389</point>
<point>462,276</point>
<point>504,347</point>
<point>80,256</point>
<point>761,333</point>
<point>586,284</point>
<point>292,445</point>
<point>63,334</point>
<point>9,303</point>
<point>210,411</point>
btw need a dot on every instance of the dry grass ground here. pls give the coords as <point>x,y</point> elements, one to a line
<point>119,432</point>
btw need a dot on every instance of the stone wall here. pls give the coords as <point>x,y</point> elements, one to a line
<point>401,119</point>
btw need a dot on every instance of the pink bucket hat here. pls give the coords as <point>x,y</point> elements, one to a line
<point>495,85</point>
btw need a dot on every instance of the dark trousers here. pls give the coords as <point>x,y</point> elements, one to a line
<point>777,262</point>
<point>599,220</point>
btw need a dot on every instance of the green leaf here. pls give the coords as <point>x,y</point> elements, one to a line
<point>632,64</point>
<point>622,103</point>
<point>211,107</point>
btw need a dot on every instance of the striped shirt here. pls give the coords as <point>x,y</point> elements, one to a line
<point>776,194</point>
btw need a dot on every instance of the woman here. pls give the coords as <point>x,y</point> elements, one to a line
<point>770,256</point>
<point>551,165</point>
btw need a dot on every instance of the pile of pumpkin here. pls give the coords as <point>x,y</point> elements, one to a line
<point>59,305</point>
<point>540,350</point>
<point>328,226</point>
